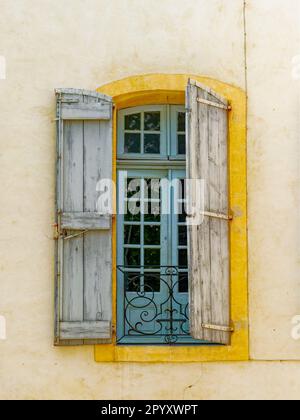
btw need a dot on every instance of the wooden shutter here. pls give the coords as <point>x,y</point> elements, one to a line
<point>207,159</point>
<point>84,246</point>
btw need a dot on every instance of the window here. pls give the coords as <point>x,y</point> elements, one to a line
<point>152,133</point>
<point>85,263</point>
<point>152,302</point>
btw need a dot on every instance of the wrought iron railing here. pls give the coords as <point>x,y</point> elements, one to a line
<point>155,303</point>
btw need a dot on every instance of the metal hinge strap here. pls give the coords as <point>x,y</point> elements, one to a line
<point>75,235</point>
<point>217,328</point>
<point>58,234</point>
<point>217,215</point>
<point>213,215</point>
<point>56,231</point>
<point>210,103</point>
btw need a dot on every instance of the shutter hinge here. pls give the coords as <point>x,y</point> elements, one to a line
<point>66,238</point>
<point>60,234</point>
<point>218,215</point>
<point>217,328</point>
<point>56,231</point>
<point>228,217</point>
<point>210,103</point>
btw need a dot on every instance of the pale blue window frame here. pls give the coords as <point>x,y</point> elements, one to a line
<point>163,132</point>
<point>168,164</point>
<point>175,132</point>
<point>168,133</point>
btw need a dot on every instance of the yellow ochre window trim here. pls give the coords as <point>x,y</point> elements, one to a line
<point>170,89</point>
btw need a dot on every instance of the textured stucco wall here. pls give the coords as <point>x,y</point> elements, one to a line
<point>86,43</point>
<point>273,177</point>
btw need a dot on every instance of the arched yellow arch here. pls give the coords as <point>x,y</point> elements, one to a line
<point>164,88</point>
<point>170,89</point>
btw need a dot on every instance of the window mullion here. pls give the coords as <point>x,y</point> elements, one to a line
<point>143,133</point>
<point>168,128</point>
<point>142,229</point>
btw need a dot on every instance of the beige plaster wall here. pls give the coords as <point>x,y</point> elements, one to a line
<point>273,177</point>
<point>86,43</point>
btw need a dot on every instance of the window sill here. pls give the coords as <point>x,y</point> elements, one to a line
<point>238,351</point>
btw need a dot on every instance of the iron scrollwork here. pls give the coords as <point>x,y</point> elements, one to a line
<point>168,318</point>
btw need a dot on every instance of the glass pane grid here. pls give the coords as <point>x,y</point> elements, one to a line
<point>152,132</point>
<point>133,121</point>
<point>145,200</point>
<point>129,246</point>
<point>182,249</point>
<point>152,121</point>
<point>132,143</point>
<point>129,223</point>
<point>154,235</point>
<point>142,133</point>
<point>181,133</point>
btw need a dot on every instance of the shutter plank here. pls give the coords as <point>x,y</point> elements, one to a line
<point>73,201</point>
<point>225,209</point>
<point>84,330</point>
<point>207,159</point>
<point>216,191</point>
<point>203,231</point>
<point>82,221</point>
<point>97,245</point>
<point>92,112</point>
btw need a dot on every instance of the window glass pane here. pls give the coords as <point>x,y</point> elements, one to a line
<point>132,143</point>
<point>182,182</point>
<point>152,235</point>
<point>182,235</point>
<point>133,187</point>
<point>152,217</point>
<point>182,258</point>
<point>152,121</point>
<point>183,283</point>
<point>132,235</point>
<point>181,144</point>
<point>153,188</point>
<point>181,121</point>
<point>133,122</point>
<point>152,257</point>
<point>152,143</point>
<point>134,207</point>
<point>152,282</point>
<point>153,213</point>
<point>130,217</point>
<point>132,257</point>
<point>182,214</point>
<point>132,282</point>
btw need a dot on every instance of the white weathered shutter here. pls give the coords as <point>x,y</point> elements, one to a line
<point>207,159</point>
<point>84,250</point>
